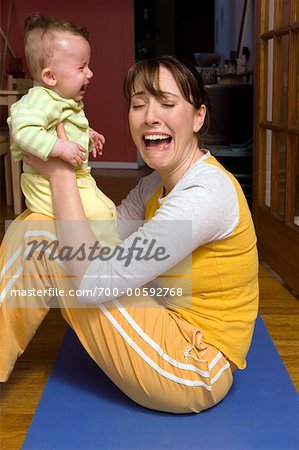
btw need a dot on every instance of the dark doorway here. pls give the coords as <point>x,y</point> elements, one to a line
<point>174,27</point>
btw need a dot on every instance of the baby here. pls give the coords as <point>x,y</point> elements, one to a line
<point>57,55</point>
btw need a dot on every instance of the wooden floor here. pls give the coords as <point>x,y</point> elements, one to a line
<point>20,395</point>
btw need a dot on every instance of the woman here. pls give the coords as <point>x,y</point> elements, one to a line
<point>172,349</point>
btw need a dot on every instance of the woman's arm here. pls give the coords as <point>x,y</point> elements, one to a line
<point>73,228</point>
<point>131,211</point>
<point>202,208</point>
<point>193,214</point>
<point>153,249</point>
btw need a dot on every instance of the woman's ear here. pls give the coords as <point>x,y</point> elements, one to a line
<point>199,118</point>
<point>48,77</point>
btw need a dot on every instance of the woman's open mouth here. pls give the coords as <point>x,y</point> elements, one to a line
<point>159,141</point>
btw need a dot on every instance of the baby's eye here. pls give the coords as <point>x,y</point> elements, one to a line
<point>168,105</point>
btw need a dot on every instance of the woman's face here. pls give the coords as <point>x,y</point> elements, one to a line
<point>163,128</point>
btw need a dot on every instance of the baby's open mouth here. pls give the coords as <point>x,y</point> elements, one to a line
<point>157,140</point>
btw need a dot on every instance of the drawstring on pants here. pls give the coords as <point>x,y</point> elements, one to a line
<point>195,344</point>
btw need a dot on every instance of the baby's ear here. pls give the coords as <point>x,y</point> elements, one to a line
<point>48,77</point>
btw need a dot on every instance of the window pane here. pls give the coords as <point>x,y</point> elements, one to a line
<point>283,79</point>
<point>296,218</point>
<point>271,6</point>
<point>296,18</point>
<point>286,12</point>
<point>268,168</point>
<point>295,112</point>
<point>269,79</point>
<point>282,146</point>
<point>294,81</point>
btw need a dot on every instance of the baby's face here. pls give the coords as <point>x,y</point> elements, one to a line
<point>69,65</point>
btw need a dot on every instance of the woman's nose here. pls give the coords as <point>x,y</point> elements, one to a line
<point>151,114</point>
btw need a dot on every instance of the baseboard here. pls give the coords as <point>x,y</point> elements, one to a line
<point>113,165</point>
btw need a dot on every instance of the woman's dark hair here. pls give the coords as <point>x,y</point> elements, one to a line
<point>186,76</point>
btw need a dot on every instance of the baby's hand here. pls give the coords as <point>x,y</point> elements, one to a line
<point>69,151</point>
<point>98,141</point>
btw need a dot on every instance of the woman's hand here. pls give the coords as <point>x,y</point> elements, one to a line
<point>49,169</point>
<point>54,167</point>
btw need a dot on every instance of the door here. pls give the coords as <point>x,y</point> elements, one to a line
<point>276,136</point>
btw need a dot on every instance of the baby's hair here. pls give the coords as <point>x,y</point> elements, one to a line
<point>39,39</point>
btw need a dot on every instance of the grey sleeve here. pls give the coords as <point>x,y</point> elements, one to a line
<point>131,211</point>
<point>194,213</point>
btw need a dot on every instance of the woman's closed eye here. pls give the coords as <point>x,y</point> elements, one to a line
<point>167,101</point>
<point>168,105</point>
<point>137,105</point>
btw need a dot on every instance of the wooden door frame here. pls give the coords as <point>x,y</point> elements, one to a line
<point>283,254</point>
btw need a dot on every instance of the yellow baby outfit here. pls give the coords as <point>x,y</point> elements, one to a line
<point>33,124</point>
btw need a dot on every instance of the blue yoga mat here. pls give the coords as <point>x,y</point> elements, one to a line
<point>81,409</point>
